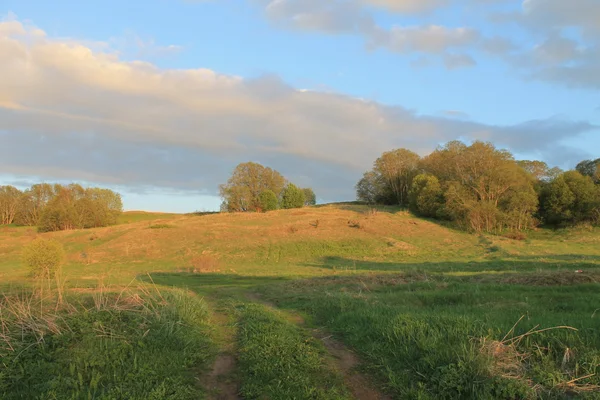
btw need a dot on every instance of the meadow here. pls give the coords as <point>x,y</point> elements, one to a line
<point>327,302</point>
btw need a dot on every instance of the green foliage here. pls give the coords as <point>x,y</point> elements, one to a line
<point>268,201</point>
<point>570,199</point>
<point>426,196</point>
<point>242,190</point>
<point>396,170</point>
<point>9,204</point>
<point>148,349</point>
<point>370,188</point>
<point>479,187</point>
<point>278,362</point>
<point>43,257</point>
<point>293,197</point>
<point>74,207</point>
<point>590,168</point>
<point>435,337</point>
<point>58,207</point>
<point>310,197</point>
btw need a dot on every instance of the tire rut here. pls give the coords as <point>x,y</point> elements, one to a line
<point>343,360</point>
<point>220,381</point>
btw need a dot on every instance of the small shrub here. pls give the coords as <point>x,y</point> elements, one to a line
<point>293,229</point>
<point>43,257</point>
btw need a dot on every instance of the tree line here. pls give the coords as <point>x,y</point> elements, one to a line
<point>59,207</point>
<point>253,187</point>
<point>484,189</point>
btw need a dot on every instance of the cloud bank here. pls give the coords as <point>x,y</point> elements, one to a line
<point>68,111</point>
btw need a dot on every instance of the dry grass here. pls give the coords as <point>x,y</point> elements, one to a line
<point>43,312</point>
<point>511,363</point>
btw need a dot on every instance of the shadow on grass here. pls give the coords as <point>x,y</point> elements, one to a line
<point>208,283</point>
<point>501,265</point>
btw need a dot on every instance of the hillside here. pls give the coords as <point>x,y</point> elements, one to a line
<point>306,242</point>
<point>327,302</point>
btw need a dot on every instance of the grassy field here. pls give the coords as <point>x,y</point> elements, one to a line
<point>328,302</point>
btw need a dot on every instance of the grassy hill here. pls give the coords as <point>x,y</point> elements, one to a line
<point>401,306</point>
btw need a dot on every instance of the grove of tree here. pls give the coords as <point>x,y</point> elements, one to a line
<point>482,188</point>
<point>253,187</point>
<point>59,207</point>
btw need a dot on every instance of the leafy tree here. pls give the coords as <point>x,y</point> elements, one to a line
<point>483,186</point>
<point>43,257</point>
<point>398,168</point>
<point>293,197</point>
<point>309,195</point>
<point>242,190</point>
<point>268,201</point>
<point>557,202</point>
<point>587,197</point>
<point>32,203</point>
<point>426,195</point>
<point>372,189</point>
<point>571,198</point>
<point>9,204</point>
<point>590,168</point>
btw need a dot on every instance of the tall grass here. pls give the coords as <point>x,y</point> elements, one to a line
<point>133,343</point>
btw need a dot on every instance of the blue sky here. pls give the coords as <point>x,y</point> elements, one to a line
<point>160,99</point>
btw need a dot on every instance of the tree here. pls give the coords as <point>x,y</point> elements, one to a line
<point>586,206</point>
<point>242,190</point>
<point>368,188</point>
<point>557,202</point>
<point>309,195</point>
<point>32,203</point>
<point>485,188</point>
<point>293,197</point>
<point>75,207</point>
<point>9,204</point>
<point>268,201</point>
<point>426,195</point>
<point>372,189</point>
<point>590,168</point>
<point>398,168</point>
<point>43,257</point>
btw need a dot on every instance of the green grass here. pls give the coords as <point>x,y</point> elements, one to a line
<point>425,336</point>
<point>420,302</point>
<point>129,217</point>
<point>108,347</point>
<point>279,362</point>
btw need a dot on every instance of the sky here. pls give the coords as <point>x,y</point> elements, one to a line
<point>161,99</point>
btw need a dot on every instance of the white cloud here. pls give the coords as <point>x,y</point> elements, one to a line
<point>69,111</point>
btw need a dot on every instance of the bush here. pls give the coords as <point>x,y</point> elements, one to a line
<point>268,201</point>
<point>43,257</point>
<point>293,197</point>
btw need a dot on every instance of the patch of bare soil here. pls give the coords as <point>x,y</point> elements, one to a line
<point>346,362</point>
<point>220,382</point>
